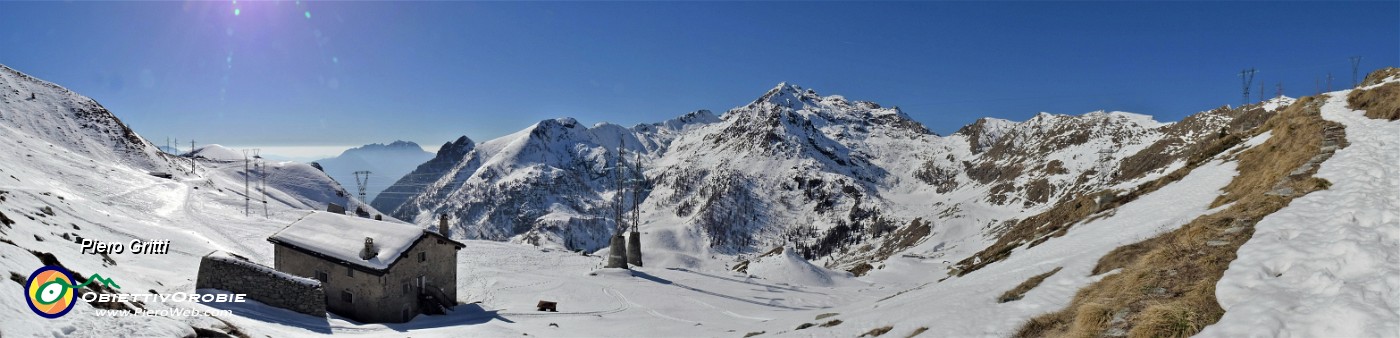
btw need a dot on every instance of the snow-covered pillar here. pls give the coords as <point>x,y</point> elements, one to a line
<point>634,249</point>
<point>617,252</point>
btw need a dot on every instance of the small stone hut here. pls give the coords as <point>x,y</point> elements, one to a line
<point>371,271</point>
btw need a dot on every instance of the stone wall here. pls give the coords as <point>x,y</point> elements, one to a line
<point>234,274</point>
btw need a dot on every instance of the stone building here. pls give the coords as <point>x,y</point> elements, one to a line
<point>371,271</point>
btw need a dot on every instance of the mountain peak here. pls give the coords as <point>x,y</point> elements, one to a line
<point>786,94</point>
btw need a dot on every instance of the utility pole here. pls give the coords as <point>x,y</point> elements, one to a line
<point>245,182</point>
<point>1280,89</point>
<point>362,180</point>
<point>634,242</point>
<point>1248,76</point>
<point>262,175</point>
<point>620,170</point>
<point>1329,81</point>
<point>1261,91</point>
<point>192,157</point>
<point>1355,63</point>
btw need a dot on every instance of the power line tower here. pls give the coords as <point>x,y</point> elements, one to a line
<point>617,245</point>
<point>1248,76</point>
<point>1261,91</point>
<point>634,242</point>
<point>362,180</point>
<point>261,166</point>
<point>245,181</point>
<point>1105,164</point>
<point>192,157</point>
<point>1329,81</point>
<point>1355,64</point>
<point>1280,90</point>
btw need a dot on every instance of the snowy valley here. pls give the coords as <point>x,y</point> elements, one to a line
<point>796,214</point>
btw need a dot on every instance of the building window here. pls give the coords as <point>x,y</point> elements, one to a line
<point>349,272</point>
<point>346,297</point>
<point>322,276</point>
<point>405,288</point>
<point>422,256</point>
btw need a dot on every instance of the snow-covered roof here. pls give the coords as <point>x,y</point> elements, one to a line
<point>341,237</point>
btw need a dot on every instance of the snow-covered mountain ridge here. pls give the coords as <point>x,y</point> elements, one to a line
<point>823,173</point>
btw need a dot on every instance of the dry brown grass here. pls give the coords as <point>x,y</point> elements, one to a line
<point>1167,285</point>
<point>1379,75</point>
<point>1120,257</point>
<point>917,332</point>
<point>1298,134</point>
<point>1379,103</point>
<point>1019,291</point>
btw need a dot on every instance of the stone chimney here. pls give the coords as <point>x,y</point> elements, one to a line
<point>369,251</point>
<point>442,225</point>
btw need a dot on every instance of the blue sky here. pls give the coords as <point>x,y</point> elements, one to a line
<point>324,75</point>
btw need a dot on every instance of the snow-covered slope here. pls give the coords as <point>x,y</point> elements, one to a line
<point>216,152</point>
<point>72,171</point>
<point>387,163</point>
<point>73,122</point>
<point>1329,263</point>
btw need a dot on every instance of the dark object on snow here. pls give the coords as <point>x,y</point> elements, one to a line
<point>335,208</point>
<point>545,305</point>
<point>162,174</point>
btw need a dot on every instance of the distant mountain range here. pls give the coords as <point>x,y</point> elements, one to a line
<point>386,163</point>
